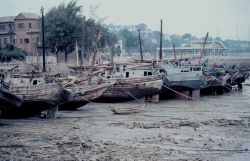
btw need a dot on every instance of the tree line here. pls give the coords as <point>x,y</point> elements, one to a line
<point>65,25</point>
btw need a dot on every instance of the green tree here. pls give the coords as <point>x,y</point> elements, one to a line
<point>130,39</point>
<point>62,24</point>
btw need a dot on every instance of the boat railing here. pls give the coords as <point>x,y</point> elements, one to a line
<point>141,79</point>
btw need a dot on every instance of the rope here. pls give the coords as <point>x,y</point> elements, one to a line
<point>129,93</point>
<point>84,99</point>
<point>180,93</point>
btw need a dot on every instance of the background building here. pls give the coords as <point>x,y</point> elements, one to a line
<point>22,31</point>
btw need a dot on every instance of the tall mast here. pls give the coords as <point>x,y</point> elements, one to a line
<point>203,49</point>
<point>140,46</point>
<point>81,61</point>
<point>248,38</point>
<point>112,53</point>
<point>174,52</point>
<point>43,41</point>
<point>161,43</point>
<point>237,36</point>
<point>93,58</point>
<point>77,54</point>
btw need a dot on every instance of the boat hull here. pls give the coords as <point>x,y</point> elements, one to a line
<point>131,89</point>
<point>84,96</point>
<point>28,101</point>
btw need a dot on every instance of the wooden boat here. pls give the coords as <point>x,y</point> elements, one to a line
<point>82,93</point>
<point>216,80</point>
<point>132,84</point>
<point>237,74</point>
<point>127,109</point>
<point>87,68</point>
<point>22,97</point>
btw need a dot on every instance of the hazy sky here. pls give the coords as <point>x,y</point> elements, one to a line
<point>218,17</point>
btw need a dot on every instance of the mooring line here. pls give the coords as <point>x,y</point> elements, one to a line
<point>180,93</point>
<point>187,96</point>
<point>130,94</point>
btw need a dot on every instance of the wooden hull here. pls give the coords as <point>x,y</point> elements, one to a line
<point>127,89</point>
<point>127,110</point>
<point>26,101</point>
<point>84,95</point>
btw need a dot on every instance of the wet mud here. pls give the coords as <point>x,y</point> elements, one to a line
<point>214,128</point>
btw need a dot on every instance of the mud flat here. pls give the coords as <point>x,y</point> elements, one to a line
<point>215,128</point>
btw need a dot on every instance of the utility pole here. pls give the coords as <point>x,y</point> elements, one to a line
<point>140,46</point>
<point>43,42</point>
<point>161,43</point>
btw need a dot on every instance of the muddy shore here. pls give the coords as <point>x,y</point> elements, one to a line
<point>215,128</point>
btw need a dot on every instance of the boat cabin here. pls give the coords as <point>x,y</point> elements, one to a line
<point>130,71</point>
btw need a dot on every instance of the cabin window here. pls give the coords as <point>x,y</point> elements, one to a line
<point>35,82</point>
<point>197,69</point>
<point>149,73</point>
<point>145,73</point>
<point>127,74</point>
<point>30,25</point>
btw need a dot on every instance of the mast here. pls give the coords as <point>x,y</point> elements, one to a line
<point>43,42</point>
<point>93,58</point>
<point>248,38</point>
<point>203,49</point>
<point>174,52</point>
<point>77,54</point>
<point>161,43</point>
<point>112,54</point>
<point>140,46</point>
<point>237,42</point>
<point>81,61</point>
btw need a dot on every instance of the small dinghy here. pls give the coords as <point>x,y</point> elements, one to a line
<point>127,110</point>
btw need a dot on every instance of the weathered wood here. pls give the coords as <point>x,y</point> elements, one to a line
<point>127,110</point>
<point>128,88</point>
